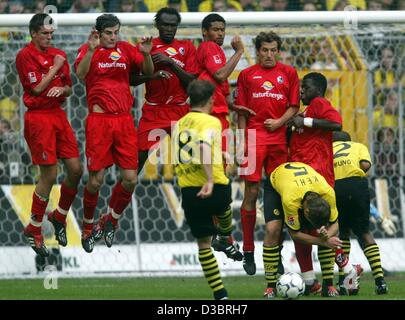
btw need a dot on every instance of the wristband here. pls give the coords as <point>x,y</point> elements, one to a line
<point>308,122</point>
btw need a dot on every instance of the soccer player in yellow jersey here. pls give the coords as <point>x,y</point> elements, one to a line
<point>301,197</point>
<point>205,190</point>
<point>351,162</point>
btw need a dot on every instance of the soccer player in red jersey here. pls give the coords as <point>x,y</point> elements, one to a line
<point>271,90</point>
<point>45,76</point>
<point>312,143</point>
<point>105,63</point>
<point>166,98</point>
<point>214,68</point>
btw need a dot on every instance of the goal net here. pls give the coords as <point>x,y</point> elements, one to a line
<point>365,71</point>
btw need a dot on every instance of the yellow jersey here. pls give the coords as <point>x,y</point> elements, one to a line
<point>190,131</point>
<point>292,180</point>
<point>346,159</point>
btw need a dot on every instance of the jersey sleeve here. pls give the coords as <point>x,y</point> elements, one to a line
<point>294,93</point>
<point>191,60</point>
<point>330,197</point>
<point>326,112</point>
<point>136,57</point>
<point>28,72</point>
<point>291,217</point>
<point>211,58</point>
<point>240,93</point>
<point>363,153</point>
<point>67,79</point>
<point>80,55</point>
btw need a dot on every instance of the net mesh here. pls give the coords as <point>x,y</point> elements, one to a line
<point>365,71</point>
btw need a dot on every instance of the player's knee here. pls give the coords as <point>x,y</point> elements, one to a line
<point>251,193</point>
<point>129,183</point>
<point>273,232</point>
<point>76,173</point>
<point>94,185</point>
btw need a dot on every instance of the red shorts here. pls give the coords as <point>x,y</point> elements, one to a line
<point>111,139</point>
<point>223,118</point>
<point>160,118</point>
<point>49,136</point>
<point>268,156</point>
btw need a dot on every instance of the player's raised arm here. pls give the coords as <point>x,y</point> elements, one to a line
<point>84,65</point>
<point>145,48</point>
<point>223,74</point>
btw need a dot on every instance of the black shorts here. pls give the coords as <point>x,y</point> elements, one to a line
<point>199,212</point>
<point>273,208</point>
<point>353,204</point>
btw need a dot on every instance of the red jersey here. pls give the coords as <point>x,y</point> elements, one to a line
<point>314,146</point>
<point>107,82</point>
<point>211,58</point>
<point>269,92</point>
<point>32,64</point>
<point>170,91</point>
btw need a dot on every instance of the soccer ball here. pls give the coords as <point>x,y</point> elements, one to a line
<point>290,286</point>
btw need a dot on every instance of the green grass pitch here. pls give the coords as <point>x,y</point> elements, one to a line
<point>170,288</point>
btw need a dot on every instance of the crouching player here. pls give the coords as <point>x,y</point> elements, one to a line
<point>351,163</point>
<point>298,194</point>
<point>205,190</point>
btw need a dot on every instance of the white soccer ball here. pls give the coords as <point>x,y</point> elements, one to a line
<point>290,286</point>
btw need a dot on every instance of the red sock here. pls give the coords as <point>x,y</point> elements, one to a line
<point>303,253</point>
<point>37,211</point>
<point>114,195</point>
<point>248,220</point>
<point>89,206</point>
<point>123,198</point>
<point>67,196</point>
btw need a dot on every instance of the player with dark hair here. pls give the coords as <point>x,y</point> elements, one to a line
<point>351,164</point>
<point>301,197</point>
<point>271,90</point>
<point>206,191</point>
<point>214,67</point>
<point>45,76</point>
<point>311,143</point>
<point>166,98</point>
<point>105,64</point>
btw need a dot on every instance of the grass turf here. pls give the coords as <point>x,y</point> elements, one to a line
<point>170,288</point>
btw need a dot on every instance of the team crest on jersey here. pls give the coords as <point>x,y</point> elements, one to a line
<point>267,85</point>
<point>171,51</point>
<point>280,79</point>
<point>114,56</point>
<point>217,59</point>
<point>290,221</point>
<point>32,77</point>
<point>181,50</point>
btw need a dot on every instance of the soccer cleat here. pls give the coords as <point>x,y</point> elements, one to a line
<point>329,291</point>
<point>221,294</point>
<point>352,280</point>
<point>270,293</point>
<point>109,232</point>
<point>381,287</point>
<point>315,288</point>
<point>342,290</point>
<point>98,231</point>
<point>36,241</point>
<point>231,250</point>
<point>88,241</point>
<point>249,263</point>
<point>60,229</point>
